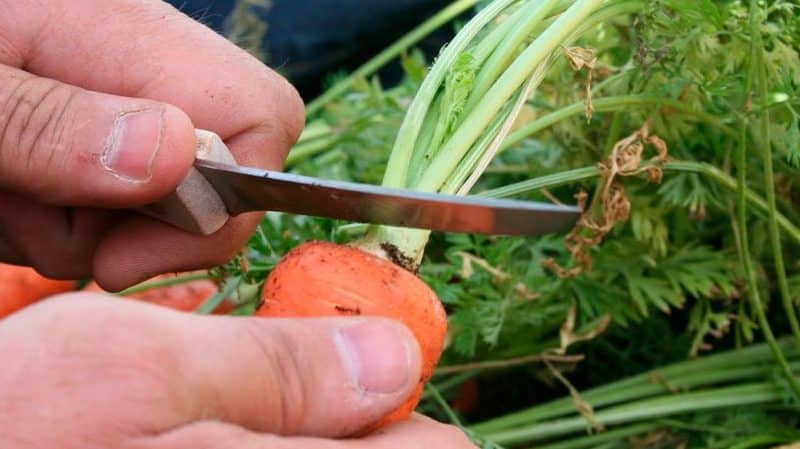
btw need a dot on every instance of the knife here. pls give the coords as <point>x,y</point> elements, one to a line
<point>217,188</point>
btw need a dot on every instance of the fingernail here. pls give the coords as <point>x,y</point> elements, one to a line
<point>133,143</point>
<point>377,356</point>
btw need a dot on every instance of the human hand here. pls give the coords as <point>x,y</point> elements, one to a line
<point>86,371</point>
<point>70,72</point>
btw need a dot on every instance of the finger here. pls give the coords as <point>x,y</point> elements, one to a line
<point>148,49</point>
<point>419,431</point>
<point>64,145</point>
<point>216,434</point>
<point>315,377</point>
<point>140,248</point>
<point>8,253</point>
<point>58,242</point>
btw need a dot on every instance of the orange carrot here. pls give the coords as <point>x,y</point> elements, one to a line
<point>324,279</point>
<point>185,296</point>
<point>21,286</point>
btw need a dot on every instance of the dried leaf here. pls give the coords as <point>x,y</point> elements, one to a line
<point>582,406</point>
<point>579,58</point>
<point>626,159</point>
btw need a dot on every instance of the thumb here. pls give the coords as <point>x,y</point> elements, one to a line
<point>326,377</point>
<point>64,145</point>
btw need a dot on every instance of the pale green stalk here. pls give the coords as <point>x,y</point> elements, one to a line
<point>525,21</point>
<point>466,166</point>
<point>410,242</point>
<point>309,148</point>
<point>397,167</point>
<point>592,441</point>
<point>505,86</point>
<point>211,303</point>
<point>691,373</point>
<point>672,404</point>
<point>477,122</point>
<point>166,282</point>
<point>424,140</point>
<point>611,104</point>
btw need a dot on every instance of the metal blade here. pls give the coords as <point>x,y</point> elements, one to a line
<point>246,189</point>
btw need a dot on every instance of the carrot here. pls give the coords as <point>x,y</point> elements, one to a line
<point>21,286</point>
<point>322,279</point>
<point>184,296</point>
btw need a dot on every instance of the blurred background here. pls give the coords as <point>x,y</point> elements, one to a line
<point>309,41</point>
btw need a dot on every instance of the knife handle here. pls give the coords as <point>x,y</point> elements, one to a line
<point>195,206</point>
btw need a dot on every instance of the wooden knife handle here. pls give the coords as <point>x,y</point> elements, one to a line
<point>195,206</point>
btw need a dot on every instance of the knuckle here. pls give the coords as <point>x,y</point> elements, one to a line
<point>35,124</point>
<point>9,53</point>
<point>294,112</point>
<point>222,254</point>
<point>285,118</point>
<point>283,377</point>
<point>68,237</point>
<point>66,265</point>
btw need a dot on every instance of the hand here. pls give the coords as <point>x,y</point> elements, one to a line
<point>87,371</point>
<point>98,105</point>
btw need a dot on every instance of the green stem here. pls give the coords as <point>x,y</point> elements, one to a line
<point>721,398</point>
<point>610,393</point>
<point>769,182</point>
<point>475,161</point>
<point>613,103</point>
<point>409,244</point>
<point>605,437</point>
<point>753,293</point>
<point>582,174</point>
<point>450,383</point>
<point>210,304</point>
<point>423,144</point>
<point>374,64</point>
<point>306,149</point>
<point>313,130</point>
<point>728,182</point>
<point>397,166</point>
<point>525,21</point>
<point>543,182</point>
<point>579,17</point>
<point>517,73</point>
<point>656,384</point>
<point>167,282</point>
<point>439,399</point>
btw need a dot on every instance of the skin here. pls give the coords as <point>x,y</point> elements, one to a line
<point>87,371</point>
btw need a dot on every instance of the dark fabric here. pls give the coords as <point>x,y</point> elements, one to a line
<point>308,39</point>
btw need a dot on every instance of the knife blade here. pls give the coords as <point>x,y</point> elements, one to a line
<point>217,187</point>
